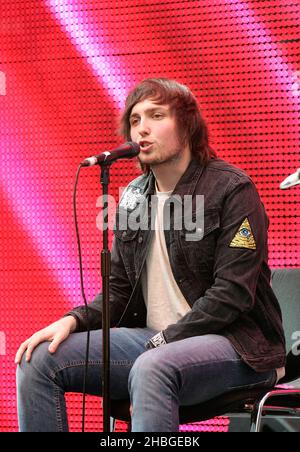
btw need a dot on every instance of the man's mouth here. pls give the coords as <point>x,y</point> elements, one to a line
<point>145,145</point>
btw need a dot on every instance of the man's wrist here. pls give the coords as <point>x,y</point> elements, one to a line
<point>156,341</point>
<point>72,321</point>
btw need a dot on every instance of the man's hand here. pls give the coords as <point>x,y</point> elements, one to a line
<point>55,333</point>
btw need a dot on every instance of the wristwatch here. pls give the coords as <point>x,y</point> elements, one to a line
<point>156,341</point>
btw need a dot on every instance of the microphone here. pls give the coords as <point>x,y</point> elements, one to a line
<point>127,150</point>
<point>290,181</point>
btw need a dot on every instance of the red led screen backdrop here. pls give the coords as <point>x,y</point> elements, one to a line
<point>65,69</point>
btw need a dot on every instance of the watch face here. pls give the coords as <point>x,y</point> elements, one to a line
<point>158,340</point>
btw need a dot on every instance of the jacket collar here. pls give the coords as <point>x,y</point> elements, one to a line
<point>186,184</point>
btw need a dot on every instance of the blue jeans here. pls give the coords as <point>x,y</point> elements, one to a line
<point>157,381</point>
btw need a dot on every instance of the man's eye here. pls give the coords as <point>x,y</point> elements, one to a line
<point>134,121</point>
<point>157,115</point>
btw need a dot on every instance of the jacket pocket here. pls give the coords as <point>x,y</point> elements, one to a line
<point>127,243</point>
<point>199,253</point>
<point>127,235</point>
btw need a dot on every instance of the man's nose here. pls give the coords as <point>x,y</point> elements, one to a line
<point>143,128</point>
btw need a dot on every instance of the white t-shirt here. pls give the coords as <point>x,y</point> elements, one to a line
<point>164,299</point>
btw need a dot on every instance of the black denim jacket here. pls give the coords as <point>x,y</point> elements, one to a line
<point>228,288</point>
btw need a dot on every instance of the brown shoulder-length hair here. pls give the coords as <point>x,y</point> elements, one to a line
<point>191,125</point>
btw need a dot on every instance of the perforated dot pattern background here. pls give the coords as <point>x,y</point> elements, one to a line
<point>65,69</point>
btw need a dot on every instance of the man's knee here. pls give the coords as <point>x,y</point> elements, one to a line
<point>150,365</point>
<point>41,362</point>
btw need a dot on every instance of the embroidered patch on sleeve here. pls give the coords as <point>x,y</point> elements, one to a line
<point>244,237</point>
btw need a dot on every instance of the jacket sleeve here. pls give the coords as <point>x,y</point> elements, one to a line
<point>237,265</point>
<point>120,290</point>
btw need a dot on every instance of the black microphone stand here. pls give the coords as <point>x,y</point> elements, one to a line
<point>127,150</point>
<point>105,273</point>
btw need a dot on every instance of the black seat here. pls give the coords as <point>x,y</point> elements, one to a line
<point>277,401</point>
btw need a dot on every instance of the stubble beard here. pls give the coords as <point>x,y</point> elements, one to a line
<point>175,157</point>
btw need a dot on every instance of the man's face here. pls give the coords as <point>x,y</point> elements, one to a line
<point>153,127</point>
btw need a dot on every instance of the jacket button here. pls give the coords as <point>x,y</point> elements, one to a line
<point>124,234</point>
<point>135,314</point>
<point>140,239</point>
